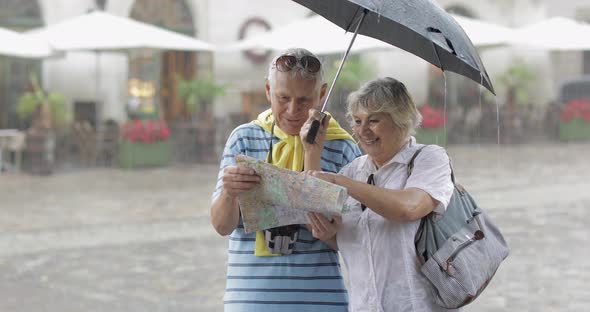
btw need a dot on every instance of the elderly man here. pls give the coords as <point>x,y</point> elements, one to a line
<point>306,275</point>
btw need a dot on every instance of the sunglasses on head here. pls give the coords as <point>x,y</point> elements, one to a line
<point>309,63</point>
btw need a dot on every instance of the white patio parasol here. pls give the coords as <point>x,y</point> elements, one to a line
<point>102,31</point>
<point>99,31</point>
<point>19,45</point>
<point>484,34</point>
<point>323,37</point>
<point>555,33</point>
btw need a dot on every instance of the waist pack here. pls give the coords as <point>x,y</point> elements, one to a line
<point>460,250</point>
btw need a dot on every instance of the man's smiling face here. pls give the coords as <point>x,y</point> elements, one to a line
<point>290,98</point>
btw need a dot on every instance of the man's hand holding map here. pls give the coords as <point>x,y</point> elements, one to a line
<point>285,197</point>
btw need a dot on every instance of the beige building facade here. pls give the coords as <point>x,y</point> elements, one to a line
<point>102,77</point>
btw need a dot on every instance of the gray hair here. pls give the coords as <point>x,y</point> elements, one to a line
<point>386,95</point>
<point>298,71</point>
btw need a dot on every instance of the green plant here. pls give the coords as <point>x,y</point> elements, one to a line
<point>198,93</point>
<point>48,108</point>
<point>517,80</point>
<point>354,72</point>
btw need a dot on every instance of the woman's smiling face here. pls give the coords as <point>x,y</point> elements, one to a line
<point>378,136</point>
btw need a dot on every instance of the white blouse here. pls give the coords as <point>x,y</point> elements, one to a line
<point>379,254</point>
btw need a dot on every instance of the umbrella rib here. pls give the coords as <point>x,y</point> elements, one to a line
<point>437,57</point>
<point>353,16</point>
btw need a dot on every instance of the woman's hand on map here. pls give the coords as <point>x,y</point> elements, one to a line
<point>324,229</point>
<point>239,179</point>
<point>326,176</point>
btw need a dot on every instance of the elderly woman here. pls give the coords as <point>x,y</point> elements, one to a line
<point>376,239</point>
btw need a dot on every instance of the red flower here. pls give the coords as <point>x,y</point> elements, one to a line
<point>432,118</point>
<point>577,108</point>
<point>145,131</point>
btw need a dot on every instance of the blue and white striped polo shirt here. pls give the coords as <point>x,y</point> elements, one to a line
<point>310,278</point>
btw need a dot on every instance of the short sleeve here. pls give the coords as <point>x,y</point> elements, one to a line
<point>432,174</point>
<point>232,147</point>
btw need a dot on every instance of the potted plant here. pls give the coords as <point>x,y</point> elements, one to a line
<point>432,130</point>
<point>575,120</point>
<point>199,93</point>
<point>354,72</point>
<point>47,112</point>
<point>517,80</point>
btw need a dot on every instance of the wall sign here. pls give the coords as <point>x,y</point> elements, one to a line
<point>250,25</point>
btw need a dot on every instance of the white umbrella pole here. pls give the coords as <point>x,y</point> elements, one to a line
<point>315,125</point>
<point>97,91</point>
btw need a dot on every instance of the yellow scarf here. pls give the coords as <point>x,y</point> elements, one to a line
<point>288,153</point>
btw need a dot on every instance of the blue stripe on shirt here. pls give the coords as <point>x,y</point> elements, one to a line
<point>310,278</point>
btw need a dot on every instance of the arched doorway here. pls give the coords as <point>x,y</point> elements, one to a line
<point>18,15</point>
<point>159,68</point>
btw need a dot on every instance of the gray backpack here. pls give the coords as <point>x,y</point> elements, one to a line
<point>461,250</point>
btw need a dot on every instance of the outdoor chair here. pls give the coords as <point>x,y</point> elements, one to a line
<point>84,138</point>
<point>108,144</point>
<point>16,146</point>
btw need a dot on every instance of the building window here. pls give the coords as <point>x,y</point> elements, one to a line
<point>159,69</point>
<point>18,15</point>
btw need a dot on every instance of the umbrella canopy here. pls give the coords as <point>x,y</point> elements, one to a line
<point>329,38</point>
<point>19,45</point>
<point>556,33</point>
<point>417,26</point>
<point>103,31</point>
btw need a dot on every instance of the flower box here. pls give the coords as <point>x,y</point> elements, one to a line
<point>574,121</point>
<point>144,143</point>
<point>432,130</point>
<point>436,136</point>
<point>139,154</point>
<point>574,130</point>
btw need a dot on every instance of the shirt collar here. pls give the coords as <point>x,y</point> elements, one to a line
<point>402,157</point>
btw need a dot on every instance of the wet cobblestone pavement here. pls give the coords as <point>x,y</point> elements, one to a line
<point>140,240</point>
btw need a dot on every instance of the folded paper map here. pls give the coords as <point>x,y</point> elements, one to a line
<point>285,197</point>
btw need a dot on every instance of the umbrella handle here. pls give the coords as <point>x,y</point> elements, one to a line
<point>314,128</point>
<point>313,131</point>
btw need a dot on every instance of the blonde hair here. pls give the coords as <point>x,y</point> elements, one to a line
<point>386,95</point>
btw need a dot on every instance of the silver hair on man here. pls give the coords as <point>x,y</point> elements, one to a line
<point>297,71</point>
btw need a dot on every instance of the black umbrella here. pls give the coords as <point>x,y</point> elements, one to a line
<point>417,26</point>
